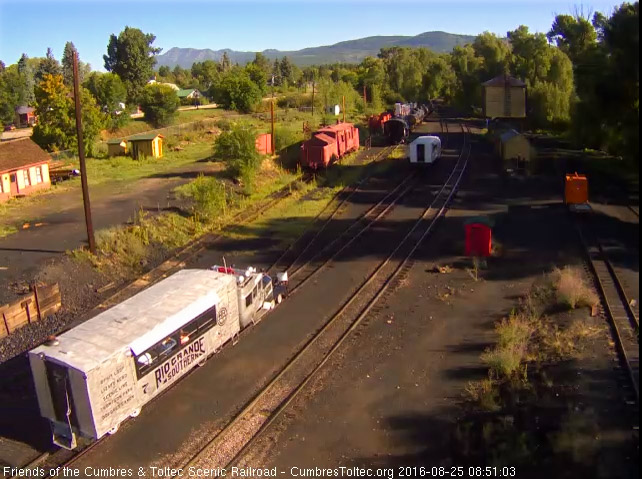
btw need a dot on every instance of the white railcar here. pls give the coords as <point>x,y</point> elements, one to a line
<point>425,150</point>
<point>94,376</point>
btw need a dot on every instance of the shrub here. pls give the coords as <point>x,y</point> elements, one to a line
<point>514,333</point>
<point>571,288</point>
<point>160,104</point>
<point>208,196</point>
<point>285,137</point>
<point>237,149</point>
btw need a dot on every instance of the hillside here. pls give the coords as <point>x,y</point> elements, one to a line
<point>351,51</point>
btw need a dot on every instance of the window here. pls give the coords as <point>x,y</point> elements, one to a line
<point>176,341</point>
<point>38,174</point>
<point>248,300</point>
<point>26,176</point>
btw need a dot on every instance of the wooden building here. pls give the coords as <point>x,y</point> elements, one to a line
<point>149,144</point>
<point>514,148</point>
<point>25,116</point>
<point>24,168</point>
<point>264,144</point>
<point>504,97</point>
<point>116,147</point>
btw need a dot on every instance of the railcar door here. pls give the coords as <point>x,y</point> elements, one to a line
<point>63,404</point>
<point>421,153</point>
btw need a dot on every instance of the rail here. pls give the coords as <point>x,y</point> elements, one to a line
<point>624,324</point>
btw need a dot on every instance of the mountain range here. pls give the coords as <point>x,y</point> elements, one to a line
<point>351,51</point>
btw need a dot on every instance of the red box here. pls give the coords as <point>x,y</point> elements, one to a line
<point>478,240</point>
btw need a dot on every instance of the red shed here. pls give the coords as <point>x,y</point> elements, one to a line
<point>319,151</point>
<point>478,239</point>
<point>264,144</point>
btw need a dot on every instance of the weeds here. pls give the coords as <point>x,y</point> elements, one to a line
<point>209,196</point>
<point>485,394</point>
<point>572,290</point>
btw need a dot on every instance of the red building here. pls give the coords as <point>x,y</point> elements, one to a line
<point>25,116</point>
<point>24,168</point>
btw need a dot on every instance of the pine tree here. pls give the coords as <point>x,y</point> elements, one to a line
<point>27,76</point>
<point>48,66</point>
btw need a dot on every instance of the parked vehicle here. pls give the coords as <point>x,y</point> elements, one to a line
<point>92,377</point>
<point>425,150</point>
<point>329,144</point>
<point>10,127</point>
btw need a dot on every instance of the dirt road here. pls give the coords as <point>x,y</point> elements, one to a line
<point>61,221</point>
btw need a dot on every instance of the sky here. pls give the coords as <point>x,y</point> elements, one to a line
<point>30,26</point>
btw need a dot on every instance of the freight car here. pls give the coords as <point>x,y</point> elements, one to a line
<point>397,130</point>
<point>329,144</point>
<point>376,122</point>
<point>94,376</point>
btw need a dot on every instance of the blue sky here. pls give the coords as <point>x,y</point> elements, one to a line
<point>30,26</point>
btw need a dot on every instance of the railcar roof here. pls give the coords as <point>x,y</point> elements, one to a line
<point>323,138</point>
<point>337,127</point>
<point>141,321</point>
<point>427,139</point>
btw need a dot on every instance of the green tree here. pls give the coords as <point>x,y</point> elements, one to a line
<point>68,66</point>
<point>11,86</point>
<point>574,35</point>
<point>226,63</point>
<point>236,147</point>
<point>164,71</point>
<point>131,56</point>
<point>27,77</point>
<point>49,65</point>
<point>263,63</point>
<point>258,76</point>
<point>236,91</point>
<point>439,81</point>
<point>110,94</point>
<point>56,128</point>
<point>496,53</point>
<point>159,104</point>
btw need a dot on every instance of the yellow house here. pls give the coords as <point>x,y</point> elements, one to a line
<point>116,147</point>
<point>24,168</point>
<point>150,144</point>
<point>504,97</point>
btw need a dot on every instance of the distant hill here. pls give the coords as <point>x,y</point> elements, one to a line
<point>352,51</point>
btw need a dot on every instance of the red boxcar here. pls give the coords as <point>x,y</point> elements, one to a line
<point>375,122</point>
<point>329,143</point>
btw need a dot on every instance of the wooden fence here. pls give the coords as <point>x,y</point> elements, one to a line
<point>40,303</point>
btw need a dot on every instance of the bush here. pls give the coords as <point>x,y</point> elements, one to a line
<point>285,137</point>
<point>236,147</point>
<point>160,104</point>
<point>208,196</point>
<point>505,359</point>
<point>571,288</point>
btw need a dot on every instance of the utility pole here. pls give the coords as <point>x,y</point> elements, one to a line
<point>272,118</point>
<point>81,157</point>
<point>365,102</point>
<point>313,86</point>
<point>343,103</point>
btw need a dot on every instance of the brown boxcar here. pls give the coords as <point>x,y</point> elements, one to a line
<point>328,143</point>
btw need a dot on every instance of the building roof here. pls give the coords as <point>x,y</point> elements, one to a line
<point>140,321</point>
<point>144,137</point>
<point>22,110</point>
<point>184,93</point>
<point>115,141</point>
<point>505,80</point>
<point>16,154</point>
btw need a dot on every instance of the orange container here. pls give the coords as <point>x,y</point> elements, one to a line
<point>575,189</point>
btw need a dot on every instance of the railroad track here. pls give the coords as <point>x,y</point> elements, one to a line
<point>617,309</point>
<point>295,251</point>
<point>234,440</point>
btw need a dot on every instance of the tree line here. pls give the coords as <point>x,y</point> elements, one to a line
<point>582,77</point>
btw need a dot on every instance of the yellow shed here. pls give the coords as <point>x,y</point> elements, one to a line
<point>116,147</point>
<point>514,147</point>
<point>504,97</point>
<point>150,144</point>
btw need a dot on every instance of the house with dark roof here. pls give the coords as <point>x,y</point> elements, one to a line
<point>24,168</point>
<point>25,116</point>
<point>188,94</point>
<point>504,97</point>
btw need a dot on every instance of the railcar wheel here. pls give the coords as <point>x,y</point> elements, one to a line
<point>135,412</point>
<point>279,298</point>
<point>202,361</point>
<point>114,429</point>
